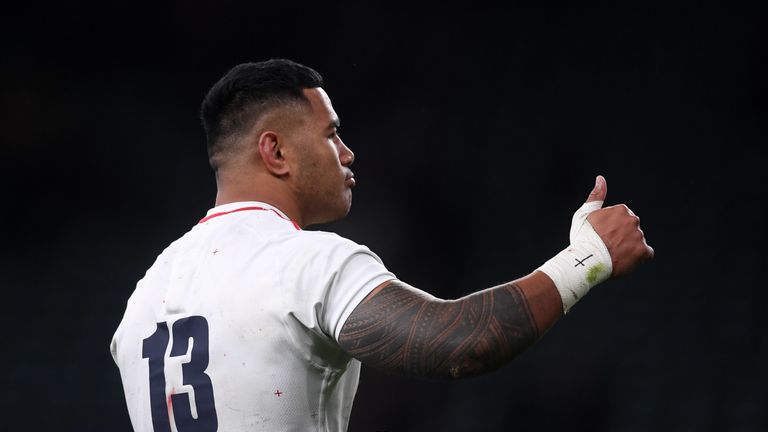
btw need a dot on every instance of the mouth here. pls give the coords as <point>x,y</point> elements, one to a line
<point>350,180</point>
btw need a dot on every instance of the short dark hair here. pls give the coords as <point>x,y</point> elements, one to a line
<point>246,92</point>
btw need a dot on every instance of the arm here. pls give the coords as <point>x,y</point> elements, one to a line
<point>401,329</point>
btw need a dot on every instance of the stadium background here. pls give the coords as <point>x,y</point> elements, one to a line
<point>477,133</point>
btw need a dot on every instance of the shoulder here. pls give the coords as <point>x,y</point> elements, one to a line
<point>325,251</point>
<point>322,239</point>
<point>326,243</point>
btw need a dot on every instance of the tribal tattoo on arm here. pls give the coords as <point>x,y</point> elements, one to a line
<point>404,330</point>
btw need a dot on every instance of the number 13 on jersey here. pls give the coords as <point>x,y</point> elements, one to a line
<point>192,403</point>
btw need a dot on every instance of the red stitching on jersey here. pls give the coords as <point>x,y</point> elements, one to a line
<point>295,225</point>
<point>207,218</point>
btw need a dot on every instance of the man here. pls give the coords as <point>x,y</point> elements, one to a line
<point>247,322</point>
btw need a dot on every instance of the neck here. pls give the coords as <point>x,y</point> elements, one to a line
<point>266,189</point>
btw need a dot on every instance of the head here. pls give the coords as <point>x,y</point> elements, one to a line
<point>273,136</point>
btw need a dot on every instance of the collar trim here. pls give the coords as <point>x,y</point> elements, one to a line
<point>224,209</point>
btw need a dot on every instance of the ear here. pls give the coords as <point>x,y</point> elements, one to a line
<point>270,151</point>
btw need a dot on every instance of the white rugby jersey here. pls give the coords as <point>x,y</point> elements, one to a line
<point>235,327</point>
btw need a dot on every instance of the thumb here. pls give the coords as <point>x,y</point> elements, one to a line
<point>599,191</point>
<point>594,202</point>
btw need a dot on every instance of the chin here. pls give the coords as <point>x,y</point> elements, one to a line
<point>346,210</point>
<point>345,205</point>
<point>336,212</point>
<point>342,211</point>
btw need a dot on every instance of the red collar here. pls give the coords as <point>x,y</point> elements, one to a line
<point>213,215</point>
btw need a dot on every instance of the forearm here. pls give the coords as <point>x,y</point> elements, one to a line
<point>402,330</point>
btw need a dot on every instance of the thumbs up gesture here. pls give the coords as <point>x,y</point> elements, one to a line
<point>605,242</point>
<point>619,228</point>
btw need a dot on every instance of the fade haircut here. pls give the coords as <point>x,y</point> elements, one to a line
<point>245,93</point>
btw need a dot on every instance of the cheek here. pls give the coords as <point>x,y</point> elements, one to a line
<point>320,168</point>
<point>329,161</point>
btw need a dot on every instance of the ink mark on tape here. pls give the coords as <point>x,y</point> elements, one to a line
<point>582,261</point>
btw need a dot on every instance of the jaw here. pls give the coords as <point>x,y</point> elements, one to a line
<point>329,209</point>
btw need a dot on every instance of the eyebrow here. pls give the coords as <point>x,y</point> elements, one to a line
<point>335,123</point>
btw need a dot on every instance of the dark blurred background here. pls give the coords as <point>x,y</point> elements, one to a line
<point>477,133</point>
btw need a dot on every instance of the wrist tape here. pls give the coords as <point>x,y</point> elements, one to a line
<point>583,264</point>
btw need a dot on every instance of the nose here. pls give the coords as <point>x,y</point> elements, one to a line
<point>346,156</point>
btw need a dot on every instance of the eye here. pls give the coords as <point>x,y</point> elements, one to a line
<point>334,134</point>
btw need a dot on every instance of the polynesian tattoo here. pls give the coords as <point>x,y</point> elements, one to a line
<point>406,331</point>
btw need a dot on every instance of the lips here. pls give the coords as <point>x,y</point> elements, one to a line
<point>350,180</point>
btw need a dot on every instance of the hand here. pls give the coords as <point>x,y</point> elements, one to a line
<point>619,228</point>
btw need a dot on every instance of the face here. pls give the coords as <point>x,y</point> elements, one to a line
<point>322,180</point>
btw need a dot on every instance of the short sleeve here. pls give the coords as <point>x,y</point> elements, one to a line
<point>326,278</point>
<point>357,275</point>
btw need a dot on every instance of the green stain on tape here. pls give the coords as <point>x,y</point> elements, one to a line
<point>594,272</point>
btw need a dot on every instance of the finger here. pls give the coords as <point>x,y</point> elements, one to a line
<point>594,202</point>
<point>599,191</point>
<point>650,253</point>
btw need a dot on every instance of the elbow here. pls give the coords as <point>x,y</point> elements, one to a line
<point>481,358</point>
<point>461,370</point>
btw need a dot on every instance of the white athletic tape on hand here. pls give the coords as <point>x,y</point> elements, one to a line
<point>580,217</point>
<point>583,264</point>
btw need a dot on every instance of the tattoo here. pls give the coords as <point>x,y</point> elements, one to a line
<point>406,331</point>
